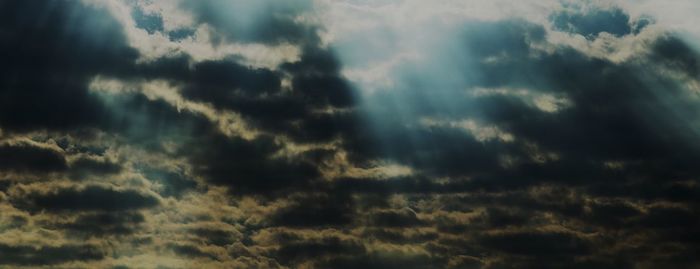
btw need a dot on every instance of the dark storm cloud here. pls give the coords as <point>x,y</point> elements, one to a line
<point>296,252</point>
<point>248,166</point>
<point>670,218</point>
<point>50,63</point>
<point>408,184</point>
<point>328,251</point>
<point>213,236</point>
<point>382,260</point>
<point>498,217</point>
<point>316,210</point>
<point>31,255</point>
<point>87,166</point>
<point>174,183</point>
<point>612,214</point>
<point>88,198</point>
<point>28,158</point>
<point>51,49</point>
<point>620,112</point>
<point>673,191</point>
<point>257,94</point>
<point>399,218</point>
<point>317,78</point>
<point>539,245</point>
<point>149,122</point>
<point>398,236</point>
<point>672,52</point>
<point>190,251</point>
<point>98,224</point>
<point>220,82</point>
<point>600,173</point>
<point>440,151</point>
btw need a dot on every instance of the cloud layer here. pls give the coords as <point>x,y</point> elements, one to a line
<point>349,134</point>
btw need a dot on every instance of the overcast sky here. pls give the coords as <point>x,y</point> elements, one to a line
<point>349,134</point>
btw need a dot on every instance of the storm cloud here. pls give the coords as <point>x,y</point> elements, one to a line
<point>346,134</point>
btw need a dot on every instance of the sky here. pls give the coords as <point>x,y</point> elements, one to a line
<point>349,134</point>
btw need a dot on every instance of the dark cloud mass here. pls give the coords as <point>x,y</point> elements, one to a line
<point>28,255</point>
<point>89,198</point>
<point>28,158</point>
<point>339,134</point>
<point>48,60</point>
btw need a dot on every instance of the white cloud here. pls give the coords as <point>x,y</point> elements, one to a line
<point>481,133</point>
<point>230,123</point>
<point>546,102</point>
<point>157,44</point>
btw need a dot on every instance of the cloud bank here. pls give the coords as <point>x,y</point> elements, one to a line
<point>348,134</point>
